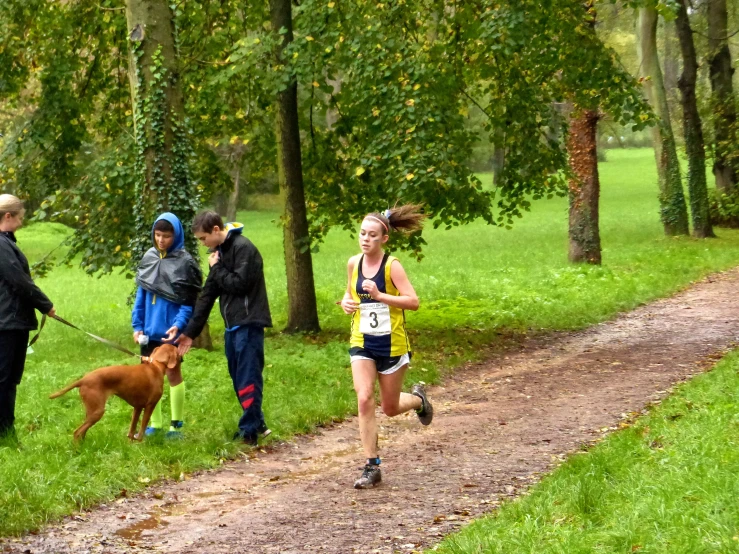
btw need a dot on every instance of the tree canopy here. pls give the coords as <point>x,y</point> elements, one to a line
<point>385,93</point>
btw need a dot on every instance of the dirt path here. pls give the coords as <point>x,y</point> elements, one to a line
<point>498,426</point>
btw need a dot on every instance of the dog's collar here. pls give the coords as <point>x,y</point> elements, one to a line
<point>152,361</point>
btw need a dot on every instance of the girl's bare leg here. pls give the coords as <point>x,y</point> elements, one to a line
<point>395,402</point>
<point>365,374</point>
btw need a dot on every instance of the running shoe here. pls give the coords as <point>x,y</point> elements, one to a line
<point>426,413</point>
<point>371,476</point>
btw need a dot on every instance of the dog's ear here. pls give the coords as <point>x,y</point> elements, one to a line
<point>174,357</point>
<point>166,354</point>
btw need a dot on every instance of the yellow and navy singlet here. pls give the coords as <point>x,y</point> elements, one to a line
<point>378,327</point>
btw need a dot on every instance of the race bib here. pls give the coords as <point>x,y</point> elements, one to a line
<point>374,319</point>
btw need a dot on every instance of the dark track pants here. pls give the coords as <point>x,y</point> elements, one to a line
<point>245,355</point>
<point>13,345</point>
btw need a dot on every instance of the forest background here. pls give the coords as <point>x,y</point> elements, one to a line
<point>314,113</point>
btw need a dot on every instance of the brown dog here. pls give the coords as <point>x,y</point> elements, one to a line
<point>140,385</point>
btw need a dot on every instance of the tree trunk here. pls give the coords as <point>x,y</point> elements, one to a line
<point>204,340</point>
<point>584,188</point>
<point>498,157</point>
<point>154,80</point>
<point>162,147</point>
<point>693,129</point>
<point>724,108</point>
<point>233,199</point>
<point>301,294</point>
<point>671,61</point>
<point>220,204</point>
<point>673,212</point>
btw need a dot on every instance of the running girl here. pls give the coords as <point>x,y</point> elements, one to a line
<point>377,295</point>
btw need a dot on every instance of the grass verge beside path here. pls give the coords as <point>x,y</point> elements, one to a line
<point>668,484</point>
<point>474,283</point>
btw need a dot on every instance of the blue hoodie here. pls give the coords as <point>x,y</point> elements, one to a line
<point>153,314</point>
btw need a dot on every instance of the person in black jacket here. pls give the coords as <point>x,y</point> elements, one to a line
<point>237,277</point>
<point>19,296</point>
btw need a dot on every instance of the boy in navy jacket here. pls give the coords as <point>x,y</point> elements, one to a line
<point>236,278</point>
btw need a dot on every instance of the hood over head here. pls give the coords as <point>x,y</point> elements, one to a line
<point>179,232</point>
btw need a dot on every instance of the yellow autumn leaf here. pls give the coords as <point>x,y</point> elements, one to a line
<point>234,139</point>
<point>360,171</point>
<point>118,248</point>
<point>309,38</point>
<point>409,176</point>
<point>416,86</point>
<point>331,4</point>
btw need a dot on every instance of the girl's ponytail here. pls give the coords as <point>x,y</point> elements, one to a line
<point>406,218</point>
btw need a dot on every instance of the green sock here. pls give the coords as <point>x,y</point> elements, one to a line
<point>177,402</point>
<point>156,416</point>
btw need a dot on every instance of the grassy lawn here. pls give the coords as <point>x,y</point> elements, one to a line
<point>474,282</point>
<point>665,485</point>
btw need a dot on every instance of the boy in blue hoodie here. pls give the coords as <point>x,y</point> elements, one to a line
<point>169,281</point>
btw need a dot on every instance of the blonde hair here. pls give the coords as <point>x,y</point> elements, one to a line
<point>406,218</point>
<point>10,204</point>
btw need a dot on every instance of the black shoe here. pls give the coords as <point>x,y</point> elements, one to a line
<point>371,476</point>
<point>264,431</point>
<point>250,440</point>
<point>426,413</point>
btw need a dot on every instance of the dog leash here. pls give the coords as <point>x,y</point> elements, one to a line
<point>99,339</point>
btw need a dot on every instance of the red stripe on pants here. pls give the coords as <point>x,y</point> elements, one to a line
<point>246,403</point>
<point>246,390</point>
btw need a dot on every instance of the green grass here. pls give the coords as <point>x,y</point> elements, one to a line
<point>665,485</point>
<point>475,283</point>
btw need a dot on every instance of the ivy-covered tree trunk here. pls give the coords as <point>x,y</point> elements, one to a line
<point>302,308</point>
<point>726,160</point>
<point>162,147</point>
<point>164,182</point>
<point>693,128</point>
<point>584,187</point>
<point>673,211</point>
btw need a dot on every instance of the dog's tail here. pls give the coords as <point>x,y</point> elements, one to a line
<point>66,389</point>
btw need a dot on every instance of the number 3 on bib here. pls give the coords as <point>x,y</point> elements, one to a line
<point>374,319</point>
